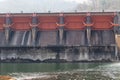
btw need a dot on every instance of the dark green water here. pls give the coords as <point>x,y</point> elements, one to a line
<point>18,69</point>
<point>6,68</point>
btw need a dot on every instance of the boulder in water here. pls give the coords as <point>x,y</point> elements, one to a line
<point>6,78</point>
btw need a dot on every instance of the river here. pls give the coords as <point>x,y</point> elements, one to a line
<point>22,71</point>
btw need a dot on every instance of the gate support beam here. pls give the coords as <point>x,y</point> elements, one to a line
<point>7,25</point>
<point>116,32</point>
<point>61,29</point>
<point>34,27</point>
<point>88,24</point>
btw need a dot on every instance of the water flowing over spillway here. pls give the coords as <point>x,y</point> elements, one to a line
<point>59,37</point>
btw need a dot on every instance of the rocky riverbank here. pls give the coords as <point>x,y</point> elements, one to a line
<point>6,78</point>
<point>74,76</point>
<point>78,75</point>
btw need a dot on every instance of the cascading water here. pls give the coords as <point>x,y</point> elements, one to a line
<point>23,38</point>
<point>17,38</point>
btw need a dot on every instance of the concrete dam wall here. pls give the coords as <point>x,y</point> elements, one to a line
<point>60,37</point>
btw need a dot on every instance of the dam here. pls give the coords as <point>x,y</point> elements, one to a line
<point>79,36</point>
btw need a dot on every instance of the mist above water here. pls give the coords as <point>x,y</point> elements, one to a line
<point>27,6</point>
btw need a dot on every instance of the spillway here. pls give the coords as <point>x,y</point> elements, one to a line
<point>60,37</point>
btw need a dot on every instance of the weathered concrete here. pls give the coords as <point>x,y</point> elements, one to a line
<point>66,54</point>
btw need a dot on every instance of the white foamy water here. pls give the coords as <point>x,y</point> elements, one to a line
<point>27,76</point>
<point>112,70</point>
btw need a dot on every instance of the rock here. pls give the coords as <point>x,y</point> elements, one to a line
<point>6,78</point>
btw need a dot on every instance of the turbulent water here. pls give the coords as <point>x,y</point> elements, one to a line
<point>22,71</point>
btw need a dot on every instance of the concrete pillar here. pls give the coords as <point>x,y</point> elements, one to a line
<point>88,28</point>
<point>115,21</point>
<point>34,27</point>
<point>61,29</point>
<point>116,32</point>
<point>7,25</point>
